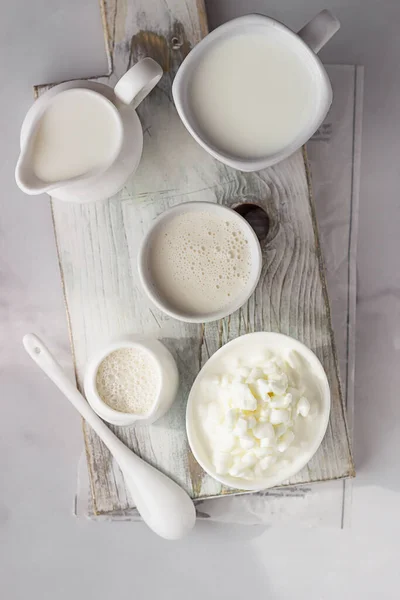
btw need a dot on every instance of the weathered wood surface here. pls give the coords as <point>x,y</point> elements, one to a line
<point>98,244</point>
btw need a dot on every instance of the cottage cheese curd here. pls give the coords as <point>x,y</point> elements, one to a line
<point>257,410</point>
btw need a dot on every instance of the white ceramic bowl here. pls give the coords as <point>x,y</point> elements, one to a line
<point>271,341</point>
<point>305,43</point>
<point>149,284</point>
<point>168,386</point>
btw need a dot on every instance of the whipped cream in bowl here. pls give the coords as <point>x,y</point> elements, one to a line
<point>258,411</point>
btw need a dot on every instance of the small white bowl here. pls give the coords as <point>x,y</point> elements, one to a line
<point>149,284</point>
<point>270,342</point>
<point>168,381</point>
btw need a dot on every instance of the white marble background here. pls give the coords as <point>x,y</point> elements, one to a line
<point>47,554</point>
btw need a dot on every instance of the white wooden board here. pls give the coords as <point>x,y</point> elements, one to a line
<point>98,243</point>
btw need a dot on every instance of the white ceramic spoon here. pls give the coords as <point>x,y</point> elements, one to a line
<point>163,504</point>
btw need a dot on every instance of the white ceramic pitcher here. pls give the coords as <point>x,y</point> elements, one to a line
<point>120,103</point>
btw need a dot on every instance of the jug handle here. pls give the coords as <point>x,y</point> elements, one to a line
<point>319,30</point>
<point>134,86</point>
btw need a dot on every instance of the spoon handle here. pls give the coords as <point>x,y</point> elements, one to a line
<point>38,351</point>
<point>163,504</point>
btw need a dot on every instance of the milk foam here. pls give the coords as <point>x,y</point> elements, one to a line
<point>200,262</point>
<point>128,380</point>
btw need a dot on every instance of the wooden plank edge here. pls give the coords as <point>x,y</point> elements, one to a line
<point>201,9</point>
<point>321,266</point>
<point>108,42</point>
<point>200,499</point>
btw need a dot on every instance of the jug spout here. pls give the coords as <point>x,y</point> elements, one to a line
<point>30,183</point>
<point>25,176</point>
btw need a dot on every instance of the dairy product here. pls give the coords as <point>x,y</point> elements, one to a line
<point>77,134</point>
<point>129,380</point>
<point>257,410</point>
<point>253,94</point>
<point>200,261</point>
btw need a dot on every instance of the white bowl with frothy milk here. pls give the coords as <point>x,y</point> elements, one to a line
<point>199,262</point>
<point>253,91</point>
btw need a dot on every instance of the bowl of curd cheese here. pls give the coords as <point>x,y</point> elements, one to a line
<point>258,411</point>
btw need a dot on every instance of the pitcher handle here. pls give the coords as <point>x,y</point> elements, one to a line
<point>134,86</point>
<point>319,30</point>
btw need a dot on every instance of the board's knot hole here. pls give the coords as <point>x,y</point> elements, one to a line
<point>176,43</point>
<point>256,217</point>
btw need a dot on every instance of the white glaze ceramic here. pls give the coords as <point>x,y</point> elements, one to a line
<point>129,91</point>
<point>272,341</point>
<point>310,40</point>
<point>166,393</point>
<point>164,506</point>
<point>223,212</point>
